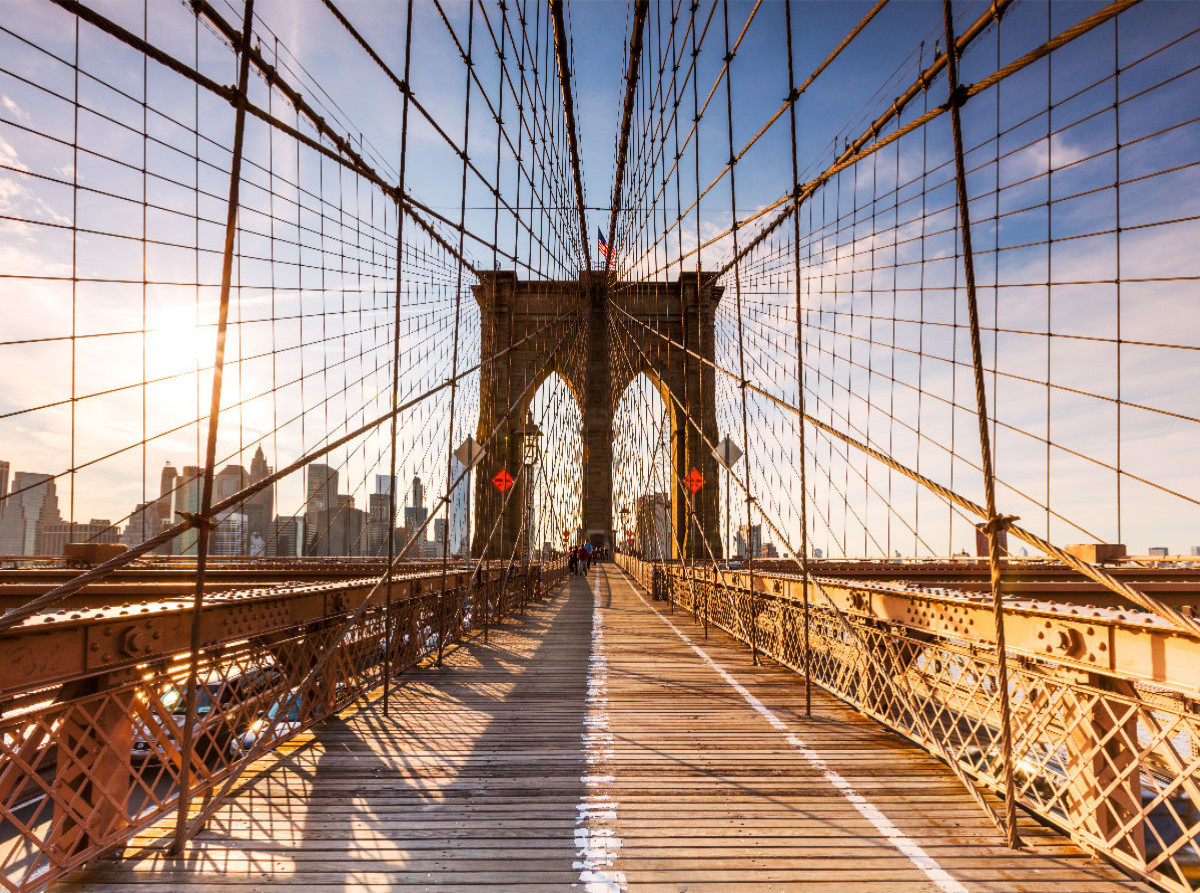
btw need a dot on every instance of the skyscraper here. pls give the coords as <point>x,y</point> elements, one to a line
<point>416,513</point>
<point>379,516</point>
<point>460,511</point>
<point>231,536</point>
<point>32,506</point>
<point>321,503</point>
<point>260,509</point>
<point>187,501</point>
<point>166,485</point>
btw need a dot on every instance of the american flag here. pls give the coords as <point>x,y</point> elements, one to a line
<point>602,245</point>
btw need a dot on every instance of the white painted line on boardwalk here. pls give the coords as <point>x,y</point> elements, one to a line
<point>906,845</point>
<point>596,816</point>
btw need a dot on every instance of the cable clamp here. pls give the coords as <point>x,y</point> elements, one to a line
<point>195,519</point>
<point>999,523</point>
<point>958,96</point>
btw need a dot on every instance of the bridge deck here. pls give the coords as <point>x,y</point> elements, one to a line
<point>566,754</point>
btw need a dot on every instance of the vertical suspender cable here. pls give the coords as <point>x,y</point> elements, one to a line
<point>995,522</point>
<point>389,619</point>
<point>462,222</point>
<point>793,95</point>
<point>201,519</point>
<point>737,290</point>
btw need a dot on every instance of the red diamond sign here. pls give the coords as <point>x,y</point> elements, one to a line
<point>503,480</point>
<point>565,534</point>
<point>694,480</point>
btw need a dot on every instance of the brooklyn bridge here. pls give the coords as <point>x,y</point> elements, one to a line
<point>747,447</point>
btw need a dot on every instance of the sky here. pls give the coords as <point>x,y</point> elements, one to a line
<point>881,282</point>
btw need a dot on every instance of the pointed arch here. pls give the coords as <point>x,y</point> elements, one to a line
<point>645,493</point>
<point>555,503</point>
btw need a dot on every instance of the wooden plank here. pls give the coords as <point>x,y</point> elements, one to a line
<point>539,756</point>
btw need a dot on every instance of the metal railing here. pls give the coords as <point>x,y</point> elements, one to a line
<point>1106,725</point>
<point>93,703</point>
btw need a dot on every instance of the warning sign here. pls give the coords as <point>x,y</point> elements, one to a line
<point>694,480</point>
<point>503,480</point>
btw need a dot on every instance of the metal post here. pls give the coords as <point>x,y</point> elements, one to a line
<point>201,520</point>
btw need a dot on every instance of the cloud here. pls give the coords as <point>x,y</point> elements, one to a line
<point>15,110</point>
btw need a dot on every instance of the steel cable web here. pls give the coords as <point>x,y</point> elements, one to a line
<point>349,349</point>
<point>944,287</point>
<point>843,362</point>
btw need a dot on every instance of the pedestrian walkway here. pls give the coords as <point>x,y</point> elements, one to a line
<point>601,743</point>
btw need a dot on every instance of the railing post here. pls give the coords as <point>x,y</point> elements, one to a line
<point>1105,792</point>
<point>93,776</point>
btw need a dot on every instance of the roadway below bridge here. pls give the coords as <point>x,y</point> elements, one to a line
<point>599,742</point>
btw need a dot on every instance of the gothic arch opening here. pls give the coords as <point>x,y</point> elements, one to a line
<point>554,503</point>
<point>644,491</point>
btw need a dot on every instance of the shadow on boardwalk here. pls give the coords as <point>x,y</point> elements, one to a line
<point>474,778</point>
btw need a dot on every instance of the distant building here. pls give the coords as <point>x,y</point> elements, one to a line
<point>460,511</point>
<point>260,508</point>
<point>653,533</point>
<point>769,551</point>
<point>188,488</point>
<point>818,553</point>
<point>245,527</point>
<point>55,535</point>
<point>415,514</point>
<point>163,506</point>
<point>346,532</point>
<point>231,536</point>
<point>143,524</point>
<point>284,541</point>
<point>379,515</point>
<point>1159,552</point>
<point>1195,550</point>
<point>439,537</point>
<point>31,506</point>
<point>983,547</point>
<point>320,506</point>
<point>748,545</point>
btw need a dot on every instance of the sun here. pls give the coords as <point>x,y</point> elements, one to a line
<point>177,344</point>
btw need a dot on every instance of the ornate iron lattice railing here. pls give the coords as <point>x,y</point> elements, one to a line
<point>88,761</point>
<point>1108,755</point>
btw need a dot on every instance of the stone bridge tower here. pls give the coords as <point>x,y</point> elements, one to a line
<point>620,320</point>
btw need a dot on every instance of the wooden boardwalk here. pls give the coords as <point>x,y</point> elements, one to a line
<point>590,746</point>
